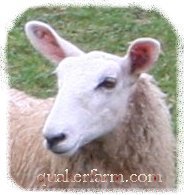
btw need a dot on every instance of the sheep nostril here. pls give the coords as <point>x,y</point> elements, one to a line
<point>54,140</point>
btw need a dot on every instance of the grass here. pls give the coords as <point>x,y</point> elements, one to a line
<point>90,28</point>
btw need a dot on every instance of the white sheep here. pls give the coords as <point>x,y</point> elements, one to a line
<point>108,117</point>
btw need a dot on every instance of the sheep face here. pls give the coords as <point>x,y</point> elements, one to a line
<point>93,88</point>
<point>91,101</point>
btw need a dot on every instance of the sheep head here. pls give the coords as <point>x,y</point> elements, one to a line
<point>93,88</point>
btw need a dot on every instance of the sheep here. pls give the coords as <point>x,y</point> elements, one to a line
<point>109,119</point>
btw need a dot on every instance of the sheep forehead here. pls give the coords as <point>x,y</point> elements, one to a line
<point>88,68</point>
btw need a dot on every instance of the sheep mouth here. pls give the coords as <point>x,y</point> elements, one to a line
<point>68,151</point>
<point>60,152</point>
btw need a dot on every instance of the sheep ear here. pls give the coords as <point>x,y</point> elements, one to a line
<point>142,54</point>
<point>49,43</point>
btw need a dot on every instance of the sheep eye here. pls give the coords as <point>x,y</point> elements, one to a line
<point>108,83</point>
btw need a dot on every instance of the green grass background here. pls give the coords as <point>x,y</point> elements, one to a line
<point>90,28</point>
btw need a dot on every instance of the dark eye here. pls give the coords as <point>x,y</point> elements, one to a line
<point>108,83</point>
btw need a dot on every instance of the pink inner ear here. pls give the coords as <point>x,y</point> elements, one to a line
<point>48,43</point>
<point>140,57</point>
